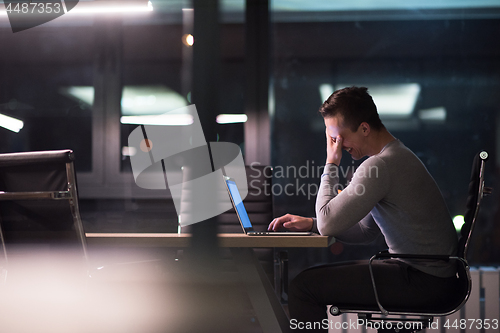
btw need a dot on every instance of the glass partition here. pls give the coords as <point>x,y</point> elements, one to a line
<point>40,107</point>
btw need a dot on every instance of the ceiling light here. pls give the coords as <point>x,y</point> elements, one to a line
<point>150,100</point>
<point>433,115</point>
<point>104,6</point>
<point>392,100</point>
<point>231,118</point>
<point>10,123</point>
<point>136,100</point>
<point>325,90</point>
<point>458,222</point>
<point>128,151</point>
<point>163,119</point>
<point>188,40</point>
<point>83,94</point>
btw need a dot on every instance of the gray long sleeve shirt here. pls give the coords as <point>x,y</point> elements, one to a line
<point>392,193</point>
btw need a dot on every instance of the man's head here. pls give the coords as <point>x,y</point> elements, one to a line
<point>350,113</point>
<point>352,106</point>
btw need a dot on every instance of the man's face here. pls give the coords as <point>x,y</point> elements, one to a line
<point>354,142</point>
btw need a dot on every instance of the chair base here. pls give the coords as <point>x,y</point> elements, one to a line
<point>388,324</point>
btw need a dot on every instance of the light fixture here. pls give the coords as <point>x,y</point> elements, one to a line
<point>392,100</point>
<point>128,151</point>
<point>141,105</point>
<point>325,90</point>
<point>150,100</point>
<point>188,39</point>
<point>437,114</point>
<point>163,119</point>
<point>458,222</point>
<point>136,100</point>
<point>11,123</point>
<point>103,7</point>
<point>83,94</point>
<point>231,118</point>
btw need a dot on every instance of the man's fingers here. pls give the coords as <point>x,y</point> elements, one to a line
<point>278,222</point>
<point>271,225</point>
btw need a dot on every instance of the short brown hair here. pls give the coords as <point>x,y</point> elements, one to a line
<point>354,105</point>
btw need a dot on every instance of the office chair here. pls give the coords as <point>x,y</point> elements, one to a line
<point>39,206</point>
<point>424,317</point>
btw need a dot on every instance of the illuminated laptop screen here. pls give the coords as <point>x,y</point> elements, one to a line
<point>238,203</point>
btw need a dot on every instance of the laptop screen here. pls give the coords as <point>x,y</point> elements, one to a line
<point>238,204</point>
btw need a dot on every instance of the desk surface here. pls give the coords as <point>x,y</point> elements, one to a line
<point>183,240</point>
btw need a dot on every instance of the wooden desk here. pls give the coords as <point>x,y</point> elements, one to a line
<point>183,240</point>
<point>267,307</point>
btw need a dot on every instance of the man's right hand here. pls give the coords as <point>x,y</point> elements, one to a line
<point>333,149</point>
<point>292,223</point>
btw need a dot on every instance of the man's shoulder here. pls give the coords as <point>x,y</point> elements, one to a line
<point>398,157</point>
<point>396,150</point>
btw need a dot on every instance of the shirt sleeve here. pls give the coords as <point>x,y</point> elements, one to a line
<point>339,208</point>
<point>363,232</point>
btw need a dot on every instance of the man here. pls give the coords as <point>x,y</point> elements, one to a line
<point>391,193</point>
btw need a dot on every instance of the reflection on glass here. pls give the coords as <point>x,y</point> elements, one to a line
<point>150,100</point>
<point>231,118</point>
<point>149,105</point>
<point>84,94</point>
<point>39,111</point>
<point>394,100</point>
<point>437,114</point>
<point>10,123</point>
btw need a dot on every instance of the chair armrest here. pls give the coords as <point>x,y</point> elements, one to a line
<point>37,157</point>
<point>51,195</point>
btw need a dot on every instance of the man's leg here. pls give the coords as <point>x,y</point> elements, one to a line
<point>315,288</point>
<point>349,283</point>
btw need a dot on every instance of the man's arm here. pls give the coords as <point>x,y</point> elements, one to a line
<point>337,212</point>
<point>363,232</point>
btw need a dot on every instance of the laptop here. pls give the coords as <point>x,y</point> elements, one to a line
<point>241,212</point>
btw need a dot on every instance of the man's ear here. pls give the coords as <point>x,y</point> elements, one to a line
<point>365,128</point>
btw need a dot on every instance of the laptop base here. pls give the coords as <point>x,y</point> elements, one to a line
<point>279,233</point>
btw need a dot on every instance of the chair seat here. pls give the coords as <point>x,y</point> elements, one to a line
<point>431,308</point>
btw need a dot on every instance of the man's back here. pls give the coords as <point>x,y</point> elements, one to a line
<point>404,201</point>
<point>412,214</point>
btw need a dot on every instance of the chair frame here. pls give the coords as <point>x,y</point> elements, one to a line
<point>69,194</point>
<point>425,318</point>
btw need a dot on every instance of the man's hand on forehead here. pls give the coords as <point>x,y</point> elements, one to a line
<point>333,149</point>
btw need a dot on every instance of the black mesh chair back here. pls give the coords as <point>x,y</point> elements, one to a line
<point>476,192</point>
<point>39,201</point>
